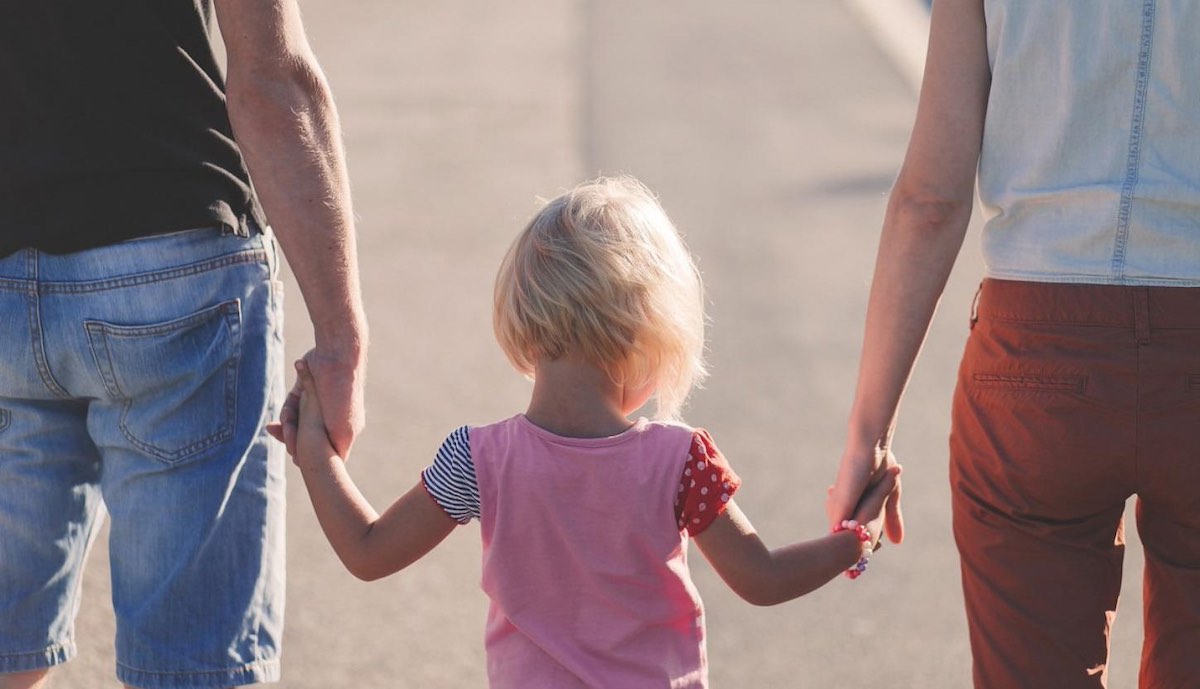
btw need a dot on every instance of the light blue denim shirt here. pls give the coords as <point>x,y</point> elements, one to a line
<point>1090,168</point>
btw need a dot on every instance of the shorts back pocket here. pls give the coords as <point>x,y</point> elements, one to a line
<point>176,381</point>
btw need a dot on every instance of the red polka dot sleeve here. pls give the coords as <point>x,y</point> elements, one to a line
<point>706,486</point>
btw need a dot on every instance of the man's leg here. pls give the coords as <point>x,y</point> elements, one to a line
<point>49,512</point>
<point>25,680</point>
<point>49,494</point>
<point>187,360</point>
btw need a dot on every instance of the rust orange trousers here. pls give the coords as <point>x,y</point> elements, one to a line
<point>1070,399</point>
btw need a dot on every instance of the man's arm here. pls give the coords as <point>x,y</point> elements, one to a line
<point>285,122</point>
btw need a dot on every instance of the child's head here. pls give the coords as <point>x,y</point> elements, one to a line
<point>601,273</point>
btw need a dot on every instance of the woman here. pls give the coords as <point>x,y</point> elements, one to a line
<point>1080,383</point>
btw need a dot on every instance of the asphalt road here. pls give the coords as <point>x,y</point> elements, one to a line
<point>772,132</point>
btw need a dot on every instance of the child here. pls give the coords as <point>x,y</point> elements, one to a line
<point>585,514</point>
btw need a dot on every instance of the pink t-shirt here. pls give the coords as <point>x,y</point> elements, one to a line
<point>584,558</point>
<point>701,497</point>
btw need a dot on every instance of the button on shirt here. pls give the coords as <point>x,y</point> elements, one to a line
<point>1090,167</point>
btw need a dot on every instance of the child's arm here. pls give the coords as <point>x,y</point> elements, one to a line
<point>369,545</point>
<point>769,577</point>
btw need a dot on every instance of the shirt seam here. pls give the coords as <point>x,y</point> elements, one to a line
<point>584,443</point>
<point>1136,127</point>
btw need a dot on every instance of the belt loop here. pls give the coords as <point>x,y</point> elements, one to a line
<point>1141,314</point>
<point>243,228</point>
<point>975,305</point>
<point>252,225</point>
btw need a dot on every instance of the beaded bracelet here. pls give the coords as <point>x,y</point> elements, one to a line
<point>864,540</point>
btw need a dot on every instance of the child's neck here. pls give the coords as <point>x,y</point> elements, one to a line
<point>575,399</point>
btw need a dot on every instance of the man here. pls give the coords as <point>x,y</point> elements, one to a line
<point>140,359</point>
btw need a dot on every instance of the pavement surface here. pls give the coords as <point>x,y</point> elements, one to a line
<point>772,132</point>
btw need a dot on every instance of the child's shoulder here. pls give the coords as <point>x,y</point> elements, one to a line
<point>469,428</point>
<point>667,424</point>
<point>679,432</point>
<point>677,428</point>
<point>699,443</point>
<point>667,427</point>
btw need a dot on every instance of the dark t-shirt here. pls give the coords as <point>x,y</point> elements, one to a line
<point>113,125</point>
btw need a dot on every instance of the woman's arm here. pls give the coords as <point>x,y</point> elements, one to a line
<point>768,577</point>
<point>369,545</point>
<point>923,230</point>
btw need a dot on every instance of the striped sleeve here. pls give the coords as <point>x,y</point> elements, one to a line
<point>450,480</point>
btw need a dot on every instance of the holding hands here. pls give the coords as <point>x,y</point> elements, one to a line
<point>865,478</point>
<point>340,385</point>
<point>313,443</point>
<point>370,545</point>
<point>873,509</point>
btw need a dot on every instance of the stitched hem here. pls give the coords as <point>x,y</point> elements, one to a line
<point>250,673</point>
<point>1124,281</point>
<point>55,654</point>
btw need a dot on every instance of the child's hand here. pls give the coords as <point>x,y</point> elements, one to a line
<point>870,510</point>
<point>312,440</point>
<point>284,430</point>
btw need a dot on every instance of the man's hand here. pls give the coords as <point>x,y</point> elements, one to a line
<point>339,383</point>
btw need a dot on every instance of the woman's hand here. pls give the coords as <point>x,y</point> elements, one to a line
<point>880,501</point>
<point>859,475</point>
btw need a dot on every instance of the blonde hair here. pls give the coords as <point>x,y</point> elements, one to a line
<point>600,272</point>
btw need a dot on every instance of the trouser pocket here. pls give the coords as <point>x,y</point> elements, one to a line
<point>175,381</point>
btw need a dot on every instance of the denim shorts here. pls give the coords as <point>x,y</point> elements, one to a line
<point>136,379</point>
